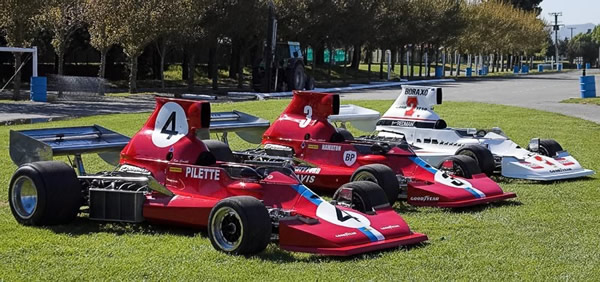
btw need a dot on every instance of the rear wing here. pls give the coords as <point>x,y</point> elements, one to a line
<point>43,144</point>
<point>362,118</point>
<point>247,127</point>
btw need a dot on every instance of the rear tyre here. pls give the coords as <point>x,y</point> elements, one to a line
<point>310,83</point>
<point>45,193</point>
<point>220,150</point>
<point>367,196</point>
<point>482,156</point>
<point>239,225</point>
<point>383,175</point>
<point>462,166</point>
<point>549,147</point>
<point>295,78</point>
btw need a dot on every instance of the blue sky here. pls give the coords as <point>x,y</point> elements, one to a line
<point>574,11</point>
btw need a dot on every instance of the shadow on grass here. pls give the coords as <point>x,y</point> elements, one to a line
<point>281,256</point>
<point>481,208</point>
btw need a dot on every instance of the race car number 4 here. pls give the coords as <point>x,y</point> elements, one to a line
<point>170,125</point>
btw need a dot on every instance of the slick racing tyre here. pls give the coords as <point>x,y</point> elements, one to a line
<point>45,193</point>
<point>549,147</point>
<point>482,156</point>
<point>220,150</point>
<point>295,78</point>
<point>239,225</point>
<point>367,196</point>
<point>462,166</point>
<point>383,175</point>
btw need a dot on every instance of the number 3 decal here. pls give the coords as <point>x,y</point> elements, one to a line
<point>308,111</point>
<point>170,125</point>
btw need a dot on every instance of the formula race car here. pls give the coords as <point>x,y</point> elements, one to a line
<point>327,157</point>
<point>167,174</point>
<point>412,117</point>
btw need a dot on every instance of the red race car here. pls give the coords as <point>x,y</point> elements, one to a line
<point>168,174</point>
<point>327,157</point>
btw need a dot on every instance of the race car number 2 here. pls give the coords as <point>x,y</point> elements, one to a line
<point>170,125</point>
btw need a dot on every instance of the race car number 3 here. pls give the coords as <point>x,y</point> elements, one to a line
<point>170,126</point>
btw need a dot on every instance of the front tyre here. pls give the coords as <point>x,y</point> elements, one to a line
<point>382,175</point>
<point>549,147</point>
<point>365,196</point>
<point>239,225</point>
<point>459,165</point>
<point>45,193</point>
<point>482,156</point>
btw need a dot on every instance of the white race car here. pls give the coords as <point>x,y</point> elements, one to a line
<point>412,117</point>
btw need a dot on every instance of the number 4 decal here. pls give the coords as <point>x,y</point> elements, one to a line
<point>170,125</point>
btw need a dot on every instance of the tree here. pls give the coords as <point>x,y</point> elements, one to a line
<point>137,26</point>
<point>583,45</point>
<point>18,20</point>
<point>103,23</point>
<point>62,18</point>
<point>528,5</point>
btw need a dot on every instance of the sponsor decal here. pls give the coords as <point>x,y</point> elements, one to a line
<point>309,170</point>
<point>175,169</point>
<point>307,179</point>
<point>314,146</point>
<point>202,173</point>
<point>328,147</point>
<point>425,199</point>
<point>416,91</point>
<point>560,170</point>
<point>345,234</point>
<point>390,227</point>
<point>403,123</point>
<point>349,157</point>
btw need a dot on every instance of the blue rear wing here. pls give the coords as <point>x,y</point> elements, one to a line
<point>43,144</point>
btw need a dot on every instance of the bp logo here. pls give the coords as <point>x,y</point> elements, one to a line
<point>349,157</point>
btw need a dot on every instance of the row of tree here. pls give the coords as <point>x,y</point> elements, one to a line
<point>421,26</point>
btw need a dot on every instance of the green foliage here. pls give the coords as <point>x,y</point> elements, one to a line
<point>583,45</point>
<point>549,232</point>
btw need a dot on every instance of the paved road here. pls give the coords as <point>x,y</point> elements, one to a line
<point>542,92</point>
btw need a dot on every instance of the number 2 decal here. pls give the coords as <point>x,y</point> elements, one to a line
<point>308,111</point>
<point>411,102</point>
<point>170,125</point>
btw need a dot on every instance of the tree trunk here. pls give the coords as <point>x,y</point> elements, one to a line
<point>191,70</point>
<point>452,59</point>
<point>133,65</point>
<point>214,71</point>
<point>184,64</point>
<point>412,61</point>
<point>394,58</point>
<point>234,60</point>
<point>162,52</point>
<point>402,62</point>
<point>421,60</point>
<point>381,59</point>
<point>102,70</point>
<point>369,58</point>
<point>17,79</point>
<point>60,53</point>
<point>331,58</point>
<point>345,64</point>
<point>240,71</point>
<point>319,55</point>
<point>458,64</point>
<point>356,56</point>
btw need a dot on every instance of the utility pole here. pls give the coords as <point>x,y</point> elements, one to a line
<point>571,28</point>
<point>556,28</point>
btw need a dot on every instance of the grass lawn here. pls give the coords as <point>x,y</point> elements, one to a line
<point>549,232</point>
<point>585,101</point>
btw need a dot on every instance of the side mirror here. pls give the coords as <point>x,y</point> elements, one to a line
<point>534,145</point>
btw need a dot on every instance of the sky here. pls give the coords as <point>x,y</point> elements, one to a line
<point>574,11</point>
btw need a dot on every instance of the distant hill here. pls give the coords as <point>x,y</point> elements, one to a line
<point>565,32</point>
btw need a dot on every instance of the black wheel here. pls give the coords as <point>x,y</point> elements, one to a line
<point>45,193</point>
<point>367,196</point>
<point>239,225</point>
<point>482,156</point>
<point>549,147</point>
<point>295,78</point>
<point>463,166</point>
<point>382,175</point>
<point>220,150</point>
<point>344,132</point>
<point>309,83</point>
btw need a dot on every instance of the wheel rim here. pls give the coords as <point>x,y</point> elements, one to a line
<point>24,197</point>
<point>365,176</point>
<point>227,229</point>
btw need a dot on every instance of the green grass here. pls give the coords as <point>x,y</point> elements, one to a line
<point>585,101</point>
<point>550,232</point>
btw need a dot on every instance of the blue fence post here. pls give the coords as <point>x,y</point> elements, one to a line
<point>38,91</point>
<point>588,86</point>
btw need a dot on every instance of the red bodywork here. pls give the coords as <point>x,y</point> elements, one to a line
<point>304,127</point>
<point>198,188</point>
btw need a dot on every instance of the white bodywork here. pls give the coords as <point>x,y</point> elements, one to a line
<point>362,118</point>
<point>412,116</point>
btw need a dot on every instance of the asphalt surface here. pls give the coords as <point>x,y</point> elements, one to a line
<point>541,92</point>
